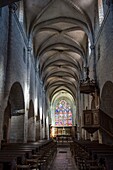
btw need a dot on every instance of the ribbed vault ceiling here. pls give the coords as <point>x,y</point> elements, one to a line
<point>60,30</point>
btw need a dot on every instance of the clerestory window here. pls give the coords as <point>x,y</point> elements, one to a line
<point>100,11</point>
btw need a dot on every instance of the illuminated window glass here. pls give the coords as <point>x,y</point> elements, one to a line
<point>100,11</point>
<point>21,12</point>
<point>63,114</point>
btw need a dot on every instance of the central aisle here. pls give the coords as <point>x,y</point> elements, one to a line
<point>63,160</point>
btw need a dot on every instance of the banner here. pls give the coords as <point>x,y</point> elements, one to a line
<point>7,2</point>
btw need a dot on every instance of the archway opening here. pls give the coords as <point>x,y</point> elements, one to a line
<point>106,98</point>
<point>106,106</point>
<point>13,126</point>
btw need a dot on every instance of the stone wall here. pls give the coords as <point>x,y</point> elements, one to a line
<point>101,63</point>
<point>17,65</point>
<point>3,57</point>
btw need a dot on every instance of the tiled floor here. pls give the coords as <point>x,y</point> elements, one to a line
<point>63,160</point>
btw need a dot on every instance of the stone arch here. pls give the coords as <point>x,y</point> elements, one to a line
<point>31,122</point>
<point>13,126</point>
<point>106,105</point>
<point>106,101</point>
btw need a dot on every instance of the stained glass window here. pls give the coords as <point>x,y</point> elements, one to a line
<point>63,114</point>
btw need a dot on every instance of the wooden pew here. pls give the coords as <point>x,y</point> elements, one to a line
<point>42,150</point>
<point>101,152</point>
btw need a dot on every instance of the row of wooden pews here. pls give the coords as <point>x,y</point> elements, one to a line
<point>92,155</point>
<point>18,156</point>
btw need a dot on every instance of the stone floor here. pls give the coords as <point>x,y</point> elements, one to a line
<point>63,160</point>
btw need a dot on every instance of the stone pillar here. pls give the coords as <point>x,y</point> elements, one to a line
<point>37,89</point>
<point>41,110</point>
<point>37,128</point>
<point>27,93</point>
<point>47,126</point>
<point>79,115</point>
<point>46,118</point>
<point>12,10</point>
<point>93,63</point>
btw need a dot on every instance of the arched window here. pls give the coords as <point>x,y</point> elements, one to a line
<point>63,114</point>
<point>21,12</point>
<point>100,11</point>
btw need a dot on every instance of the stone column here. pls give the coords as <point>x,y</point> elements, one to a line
<point>41,110</point>
<point>27,93</point>
<point>93,63</point>
<point>37,87</point>
<point>12,10</point>
<point>79,115</point>
<point>47,125</point>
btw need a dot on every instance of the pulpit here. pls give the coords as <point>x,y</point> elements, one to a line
<point>91,120</point>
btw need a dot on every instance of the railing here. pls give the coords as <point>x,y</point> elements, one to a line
<point>106,123</point>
